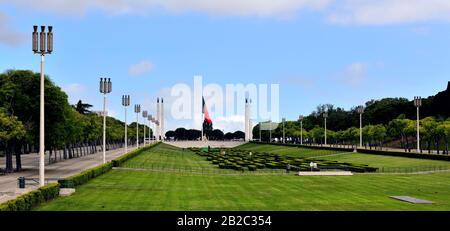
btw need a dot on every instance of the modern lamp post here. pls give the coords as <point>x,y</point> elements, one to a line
<point>301,129</point>
<point>144,114</point>
<point>149,118</point>
<point>105,88</point>
<point>417,104</point>
<point>137,110</point>
<point>126,103</point>
<point>42,44</point>
<point>325,116</point>
<point>360,111</point>
<point>270,131</point>
<point>284,133</point>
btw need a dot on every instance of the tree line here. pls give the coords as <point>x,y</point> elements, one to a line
<point>388,122</point>
<point>211,134</point>
<point>70,130</point>
<point>399,133</point>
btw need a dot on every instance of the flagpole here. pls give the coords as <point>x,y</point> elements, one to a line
<point>203,120</point>
<point>203,115</point>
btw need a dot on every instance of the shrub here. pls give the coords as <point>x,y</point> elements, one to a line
<point>94,172</point>
<point>252,167</point>
<point>85,176</point>
<point>32,199</point>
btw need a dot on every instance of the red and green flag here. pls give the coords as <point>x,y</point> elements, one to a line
<point>205,112</point>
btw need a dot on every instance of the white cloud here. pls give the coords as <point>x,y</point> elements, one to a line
<point>229,123</point>
<point>355,73</point>
<point>383,12</point>
<point>8,35</point>
<point>140,68</point>
<point>74,91</point>
<point>360,12</point>
<point>74,88</point>
<point>216,7</point>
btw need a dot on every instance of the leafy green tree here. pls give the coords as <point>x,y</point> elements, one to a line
<point>82,108</point>
<point>444,127</point>
<point>11,131</point>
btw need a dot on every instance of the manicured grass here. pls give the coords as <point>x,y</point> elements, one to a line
<point>286,150</point>
<point>168,157</point>
<point>141,190</point>
<point>162,190</point>
<point>389,162</point>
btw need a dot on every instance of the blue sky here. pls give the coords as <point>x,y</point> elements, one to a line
<point>340,52</point>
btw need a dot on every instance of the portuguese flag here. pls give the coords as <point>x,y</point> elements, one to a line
<point>205,112</point>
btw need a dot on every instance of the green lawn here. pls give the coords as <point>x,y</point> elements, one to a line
<point>385,163</point>
<point>162,190</point>
<point>286,150</point>
<point>390,162</point>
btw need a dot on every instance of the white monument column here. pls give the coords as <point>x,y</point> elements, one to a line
<point>163,133</point>
<point>246,119</point>
<point>250,124</point>
<point>158,118</point>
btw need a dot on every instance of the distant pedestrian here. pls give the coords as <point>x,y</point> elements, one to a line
<point>288,168</point>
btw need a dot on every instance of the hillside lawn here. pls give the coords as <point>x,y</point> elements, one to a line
<point>122,189</point>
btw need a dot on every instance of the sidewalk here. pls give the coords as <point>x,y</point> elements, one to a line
<point>61,169</point>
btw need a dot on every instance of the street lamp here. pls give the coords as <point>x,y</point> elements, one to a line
<point>417,104</point>
<point>284,137</point>
<point>149,118</point>
<point>301,129</point>
<point>360,111</point>
<point>325,116</point>
<point>137,110</point>
<point>126,103</point>
<point>105,88</point>
<point>39,46</point>
<point>144,114</point>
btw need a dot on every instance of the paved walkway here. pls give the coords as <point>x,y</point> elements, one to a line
<point>61,169</point>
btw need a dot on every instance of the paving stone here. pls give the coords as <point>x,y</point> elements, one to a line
<point>411,200</point>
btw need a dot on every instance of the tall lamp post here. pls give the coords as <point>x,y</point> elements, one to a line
<point>105,88</point>
<point>126,103</point>
<point>137,110</point>
<point>360,111</point>
<point>42,44</point>
<point>301,129</point>
<point>149,118</point>
<point>284,133</point>
<point>144,114</point>
<point>417,104</point>
<point>325,116</point>
<point>270,131</point>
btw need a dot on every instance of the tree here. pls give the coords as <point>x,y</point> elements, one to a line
<point>82,108</point>
<point>445,128</point>
<point>396,129</point>
<point>428,131</point>
<point>11,131</point>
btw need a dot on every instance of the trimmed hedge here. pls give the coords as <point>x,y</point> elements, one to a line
<point>407,154</point>
<point>32,199</point>
<point>306,146</point>
<point>368,151</point>
<point>86,175</point>
<point>46,193</point>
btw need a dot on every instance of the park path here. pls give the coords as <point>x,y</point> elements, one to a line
<point>60,169</point>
